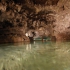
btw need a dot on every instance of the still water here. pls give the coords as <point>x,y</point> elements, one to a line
<point>35,56</point>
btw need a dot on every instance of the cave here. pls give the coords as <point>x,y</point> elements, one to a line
<point>20,16</point>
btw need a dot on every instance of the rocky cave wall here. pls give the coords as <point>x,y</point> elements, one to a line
<point>17,17</point>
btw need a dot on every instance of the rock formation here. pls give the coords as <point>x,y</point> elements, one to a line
<point>47,17</point>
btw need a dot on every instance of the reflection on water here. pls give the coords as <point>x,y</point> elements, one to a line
<point>35,56</point>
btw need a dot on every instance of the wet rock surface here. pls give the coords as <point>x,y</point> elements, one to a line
<point>50,20</point>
